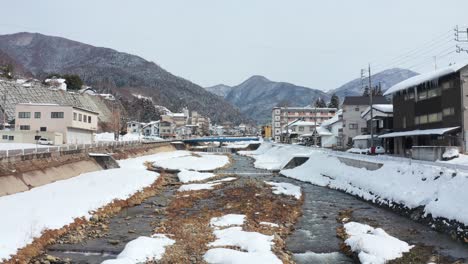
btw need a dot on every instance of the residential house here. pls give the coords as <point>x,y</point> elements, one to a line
<point>330,132</point>
<point>382,124</point>
<point>167,129</point>
<point>282,116</point>
<point>58,123</point>
<point>353,107</point>
<point>151,129</point>
<point>430,110</point>
<point>135,127</point>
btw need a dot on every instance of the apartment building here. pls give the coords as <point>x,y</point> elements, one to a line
<point>430,110</point>
<point>282,116</point>
<point>76,125</point>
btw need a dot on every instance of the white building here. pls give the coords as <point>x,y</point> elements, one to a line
<point>331,131</point>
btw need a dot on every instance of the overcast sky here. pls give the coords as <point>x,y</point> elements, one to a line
<point>319,44</point>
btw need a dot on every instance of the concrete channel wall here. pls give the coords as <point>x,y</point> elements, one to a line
<point>22,173</point>
<point>360,163</point>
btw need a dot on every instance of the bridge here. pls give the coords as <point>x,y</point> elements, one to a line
<point>220,139</point>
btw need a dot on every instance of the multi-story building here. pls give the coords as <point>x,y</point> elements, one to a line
<point>381,123</point>
<point>282,116</point>
<point>330,132</point>
<point>76,125</point>
<point>353,107</point>
<point>430,110</point>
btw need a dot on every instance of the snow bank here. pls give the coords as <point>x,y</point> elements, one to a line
<point>142,249</point>
<point>286,189</point>
<point>227,220</point>
<point>191,176</point>
<point>272,156</point>
<point>241,144</point>
<point>52,206</point>
<point>269,224</point>
<point>438,189</point>
<point>105,136</point>
<point>181,159</point>
<point>374,245</point>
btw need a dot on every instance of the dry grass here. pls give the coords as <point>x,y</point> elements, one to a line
<point>49,237</point>
<point>189,216</point>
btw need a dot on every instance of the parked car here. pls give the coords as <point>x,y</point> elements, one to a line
<point>377,150</point>
<point>44,141</point>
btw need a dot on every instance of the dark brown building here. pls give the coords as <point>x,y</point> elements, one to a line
<point>429,110</point>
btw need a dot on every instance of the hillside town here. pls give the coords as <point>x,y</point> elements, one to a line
<point>234,132</point>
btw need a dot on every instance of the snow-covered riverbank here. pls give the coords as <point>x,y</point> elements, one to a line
<point>440,191</point>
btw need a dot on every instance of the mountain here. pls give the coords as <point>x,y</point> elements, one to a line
<point>256,96</point>
<point>386,78</point>
<point>109,70</point>
<point>220,89</point>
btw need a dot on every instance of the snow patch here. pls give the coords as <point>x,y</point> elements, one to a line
<point>143,249</point>
<point>227,220</point>
<point>286,189</point>
<point>191,176</point>
<point>374,245</point>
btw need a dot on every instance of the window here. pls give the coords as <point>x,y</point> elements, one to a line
<point>277,118</point>
<point>277,124</point>
<point>404,122</point>
<point>293,129</point>
<point>37,114</point>
<point>363,129</point>
<point>435,117</point>
<point>311,128</point>
<point>448,111</point>
<point>353,126</point>
<point>56,114</point>
<point>446,85</point>
<point>24,115</point>
<point>422,95</point>
<point>301,128</point>
<point>25,127</point>
<point>423,119</point>
<point>74,116</point>
<point>416,120</point>
<point>5,137</point>
<point>11,137</point>
<point>80,117</point>
<point>37,137</point>
<point>43,129</point>
<point>356,109</point>
<point>434,92</point>
<point>85,118</point>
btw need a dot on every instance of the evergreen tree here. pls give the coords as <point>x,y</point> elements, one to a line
<point>73,81</point>
<point>366,91</point>
<point>334,102</point>
<point>320,103</point>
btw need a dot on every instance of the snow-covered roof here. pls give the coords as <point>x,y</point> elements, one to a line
<point>324,132</point>
<point>384,109</point>
<point>303,123</point>
<point>419,132</point>
<point>42,104</point>
<point>332,120</point>
<point>425,77</point>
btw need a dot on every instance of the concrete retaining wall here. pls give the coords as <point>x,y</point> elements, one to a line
<point>23,173</point>
<point>360,163</point>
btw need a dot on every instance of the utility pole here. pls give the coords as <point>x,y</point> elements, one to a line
<point>371,108</point>
<point>3,111</point>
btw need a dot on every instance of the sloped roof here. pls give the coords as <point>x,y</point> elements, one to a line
<point>419,132</point>
<point>425,77</point>
<point>385,109</point>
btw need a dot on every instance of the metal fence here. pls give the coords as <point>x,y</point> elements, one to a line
<point>40,149</point>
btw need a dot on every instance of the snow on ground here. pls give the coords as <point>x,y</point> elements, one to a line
<point>227,220</point>
<point>142,249</point>
<point>440,190</point>
<point>286,189</point>
<point>462,159</point>
<point>199,161</point>
<point>241,144</point>
<point>57,204</point>
<point>203,186</point>
<point>256,247</point>
<point>108,137</point>
<point>10,146</point>
<point>274,156</point>
<point>269,224</point>
<point>191,176</point>
<point>374,245</point>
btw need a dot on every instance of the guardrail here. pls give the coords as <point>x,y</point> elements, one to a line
<point>40,149</point>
